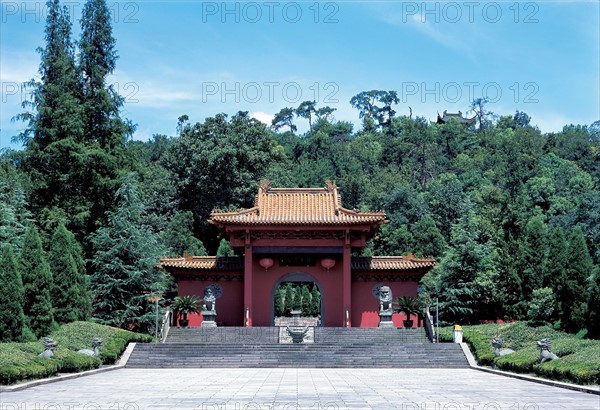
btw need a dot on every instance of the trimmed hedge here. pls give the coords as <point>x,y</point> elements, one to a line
<point>579,359</point>
<point>20,361</point>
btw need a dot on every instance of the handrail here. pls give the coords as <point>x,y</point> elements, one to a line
<point>165,326</point>
<point>429,327</point>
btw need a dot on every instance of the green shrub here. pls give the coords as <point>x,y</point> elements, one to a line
<point>20,361</point>
<point>579,358</point>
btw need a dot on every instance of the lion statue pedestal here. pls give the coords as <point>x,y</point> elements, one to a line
<point>385,307</point>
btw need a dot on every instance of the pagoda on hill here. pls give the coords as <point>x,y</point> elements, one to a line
<point>301,235</point>
<point>457,116</point>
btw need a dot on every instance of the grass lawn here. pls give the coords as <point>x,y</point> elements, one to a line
<point>579,358</point>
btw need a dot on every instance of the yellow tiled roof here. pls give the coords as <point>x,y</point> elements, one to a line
<point>297,206</point>
<point>203,263</point>
<point>407,262</point>
<point>371,263</point>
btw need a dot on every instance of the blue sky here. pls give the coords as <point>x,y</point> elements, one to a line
<point>202,58</point>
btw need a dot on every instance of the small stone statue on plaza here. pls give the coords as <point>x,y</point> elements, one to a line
<point>209,311</point>
<point>49,347</point>
<point>497,343</point>
<point>96,343</point>
<point>545,354</point>
<point>386,309</point>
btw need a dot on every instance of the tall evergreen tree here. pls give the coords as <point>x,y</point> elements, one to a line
<point>69,292</point>
<point>315,301</point>
<point>97,60</point>
<point>14,215</point>
<point>579,271</point>
<point>12,318</point>
<point>533,255</point>
<point>37,282</point>
<point>279,301</point>
<point>556,269</point>
<point>593,306</point>
<point>225,248</point>
<point>305,296</point>
<point>125,258</point>
<point>289,299</point>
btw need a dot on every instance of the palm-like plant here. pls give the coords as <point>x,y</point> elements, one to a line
<point>408,305</point>
<point>185,305</point>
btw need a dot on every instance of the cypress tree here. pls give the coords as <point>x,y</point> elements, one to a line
<point>305,295</point>
<point>289,299</point>
<point>593,306</point>
<point>37,282</point>
<point>578,272</point>
<point>555,272</point>
<point>315,301</point>
<point>12,318</point>
<point>532,255</point>
<point>69,286</point>
<point>97,60</point>
<point>225,248</point>
<point>279,301</point>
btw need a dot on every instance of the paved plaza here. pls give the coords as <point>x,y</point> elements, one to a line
<point>316,389</point>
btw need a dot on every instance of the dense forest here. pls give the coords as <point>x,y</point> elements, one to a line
<point>511,214</point>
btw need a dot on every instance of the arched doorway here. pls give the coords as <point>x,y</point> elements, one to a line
<point>301,283</point>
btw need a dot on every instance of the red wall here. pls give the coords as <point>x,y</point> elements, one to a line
<point>365,307</point>
<point>230,306</point>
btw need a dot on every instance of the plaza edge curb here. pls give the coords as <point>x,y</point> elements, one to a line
<point>33,383</point>
<point>576,387</point>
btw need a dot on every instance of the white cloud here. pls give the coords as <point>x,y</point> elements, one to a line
<point>262,117</point>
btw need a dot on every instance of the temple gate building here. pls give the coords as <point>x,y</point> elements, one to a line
<point>298,235</point>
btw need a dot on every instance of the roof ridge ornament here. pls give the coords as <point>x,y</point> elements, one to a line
<point>265,185</point>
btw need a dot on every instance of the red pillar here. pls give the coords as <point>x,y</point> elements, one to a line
<point>346,282</point>
<point>248,283</point>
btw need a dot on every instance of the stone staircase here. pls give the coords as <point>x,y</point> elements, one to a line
<point>333,348</point>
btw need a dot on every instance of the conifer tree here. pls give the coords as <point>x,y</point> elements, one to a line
<point>12,318</point>
<point>14,216</point>
<point>125,258</point>
<point>533,255</point>
<point>37,282</point>
<point>279,301</point>
<point>593,306</point>
<point>315,301</point>
<point>579,270</point>
<point>555,269</point>
<point>289,299</point>
<point>69,291</point>
<point>225,248</point>
<point>305,296</point>
<point>97,60</point>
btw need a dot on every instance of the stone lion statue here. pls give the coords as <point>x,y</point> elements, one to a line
<point>544,347</point>
<point>385,299</point>
<point>210,301</point>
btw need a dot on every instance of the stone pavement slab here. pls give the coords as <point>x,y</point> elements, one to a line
<point>295,389</point>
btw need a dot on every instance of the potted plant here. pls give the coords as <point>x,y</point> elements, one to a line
<point>408,305</point>
<point>184,305</point>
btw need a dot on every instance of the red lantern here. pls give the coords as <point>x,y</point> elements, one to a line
<point>328,263</point>
<point>266,263</point>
